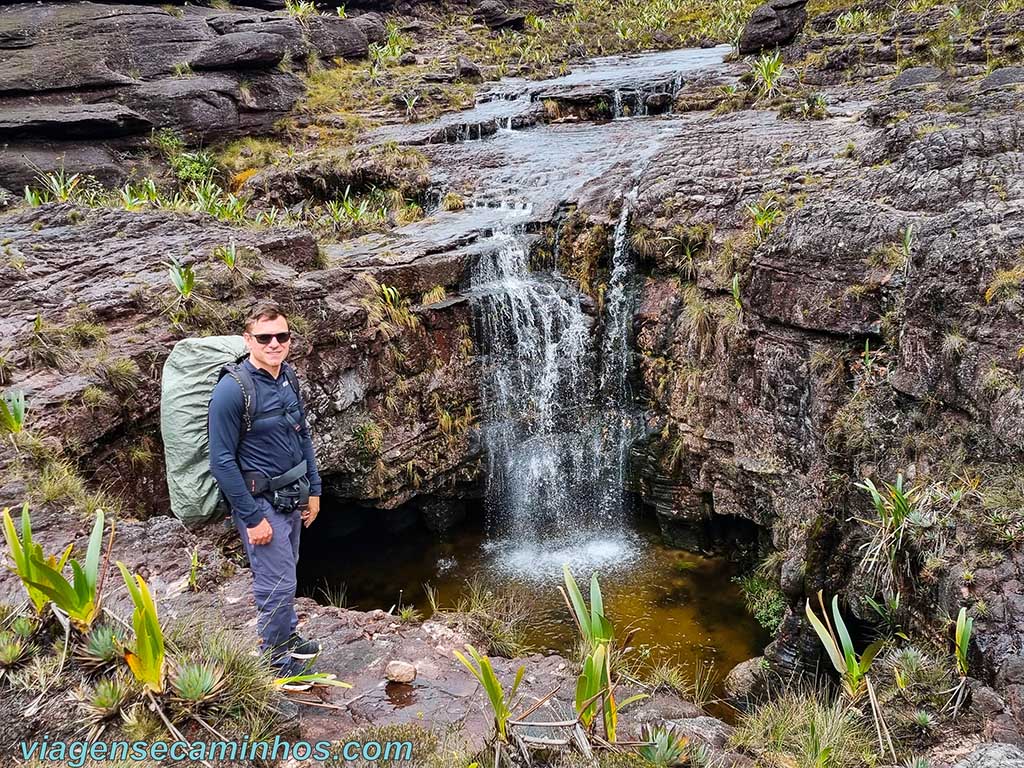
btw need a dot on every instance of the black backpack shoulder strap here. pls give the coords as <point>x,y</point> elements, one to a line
<point>241,374</point>
<point>293,382</point>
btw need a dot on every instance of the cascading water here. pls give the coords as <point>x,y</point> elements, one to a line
<point>558,417</point>
<point>619,415</point>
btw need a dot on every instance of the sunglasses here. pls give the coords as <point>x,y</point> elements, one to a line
<point>264,338</point>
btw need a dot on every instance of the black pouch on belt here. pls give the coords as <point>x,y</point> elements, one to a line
<point>286,492</point>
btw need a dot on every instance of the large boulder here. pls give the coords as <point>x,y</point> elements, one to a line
<point>497,15</point>
<point>775,23</point>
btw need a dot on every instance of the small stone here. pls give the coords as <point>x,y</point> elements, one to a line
<point>407,59</point>
<point>400,671</point>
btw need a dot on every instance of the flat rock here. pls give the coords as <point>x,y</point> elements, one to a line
<point>745,680</point>
<point>994,756</point>
<point>89,121</point>
<point>703,729</point>
<point>1003,77</point>
<point>467,70</point>
<point>240,50</point>
<point>373,27</point>
<point>915,77</point>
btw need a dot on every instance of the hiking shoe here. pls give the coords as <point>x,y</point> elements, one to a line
<point>286,666</point>
<point>300,648</point>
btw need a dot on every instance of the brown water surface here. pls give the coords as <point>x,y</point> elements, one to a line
<point>684,606</point>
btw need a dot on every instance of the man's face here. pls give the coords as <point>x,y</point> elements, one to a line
<point>273,352</point>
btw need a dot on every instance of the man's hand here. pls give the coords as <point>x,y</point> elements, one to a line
<point>260,534</point>
<point>310,512</point>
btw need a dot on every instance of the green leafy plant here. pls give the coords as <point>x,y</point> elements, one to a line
<point>13,411</point>
<point>764,599</point>
<point>228,254</point>
<point>961,646</point>
<point>147,659</point>
<point>964,627</point>
<point>80,598</point>
<point>736,298</point>
<point>852,667</point>
<point>895,508</point>
<point>193,166</point>
<point>764,216</point>
<point>593,625</point>
<point>183,278</point>
<point>300,9</point>
<point>592,681</point>
<point>501,703</point>
<point>193,570</point>
<point>595,692</point>
<point>61,186</point>
<point>24,552</point>
<point>858,20</point>
<point>767,72</point>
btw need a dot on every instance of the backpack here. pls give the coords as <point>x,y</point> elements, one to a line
<point>189,376</point>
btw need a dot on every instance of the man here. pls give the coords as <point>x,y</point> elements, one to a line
<point>262,458</point>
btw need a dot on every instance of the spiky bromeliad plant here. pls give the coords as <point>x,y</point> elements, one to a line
<point>146,660</point>
<point>13,651</point>
<point>196,686</point>
<point>104,702</point>
<point>665,747</point>
<point>43,576</point>
<point>99,649</point>
<point>896,513</point>
<point>501,703</point>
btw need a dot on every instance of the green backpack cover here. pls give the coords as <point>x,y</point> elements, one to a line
<point>189,376</point>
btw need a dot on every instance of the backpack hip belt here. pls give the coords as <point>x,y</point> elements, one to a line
<point>285,492</point>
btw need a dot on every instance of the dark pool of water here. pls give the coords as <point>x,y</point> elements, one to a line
<point>684,606</point>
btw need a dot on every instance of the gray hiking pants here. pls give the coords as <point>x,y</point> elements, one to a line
<point>273,577</point>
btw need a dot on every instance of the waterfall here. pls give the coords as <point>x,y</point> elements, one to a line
<point>537,341</point>
<point>620,415</point>
<point>557,411</point>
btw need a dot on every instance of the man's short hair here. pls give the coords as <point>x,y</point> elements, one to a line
<point>266,311</point>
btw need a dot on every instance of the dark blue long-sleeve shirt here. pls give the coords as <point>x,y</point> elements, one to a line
<point>271,447</point>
